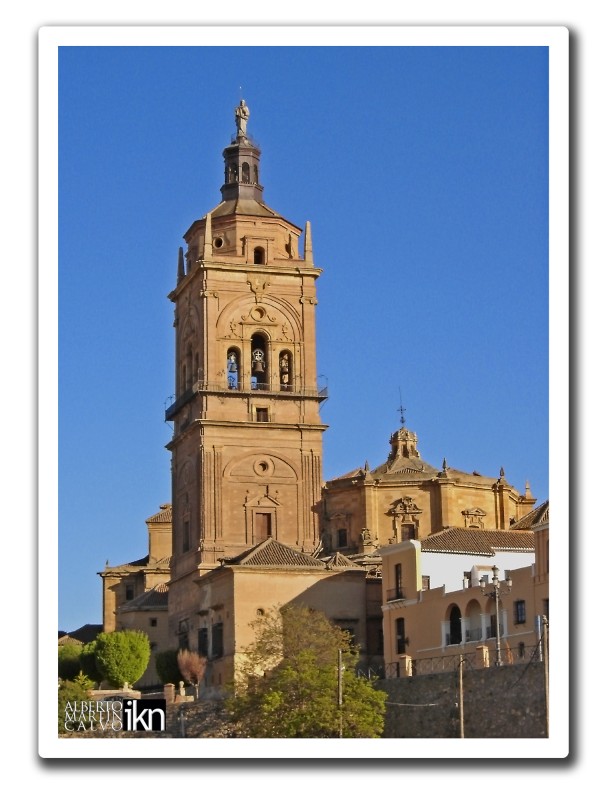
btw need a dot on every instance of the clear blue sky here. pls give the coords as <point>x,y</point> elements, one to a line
<point>424,173</point>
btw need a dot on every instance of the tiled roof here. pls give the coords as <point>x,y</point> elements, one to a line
<point>87,633</point>
<point>402,465</point>
<point>478,542</point>
<point>164,515</point>
<point>271,553</point>
<point>534,517</point>
<point>68,640</point>
<point>131,566</point>
<point>156,598</point>
<point>338,560</point>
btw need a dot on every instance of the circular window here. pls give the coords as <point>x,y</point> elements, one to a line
<point>258,313</point>
<point>218,241</point>
<point>264,467</point>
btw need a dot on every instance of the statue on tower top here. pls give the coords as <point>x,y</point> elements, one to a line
<point>242,114</point>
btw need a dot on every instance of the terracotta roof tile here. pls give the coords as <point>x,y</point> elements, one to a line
<point>156,598</point>
<point>164,515</point>
<point>271,553</point>
<point>534,517</point>
<point>478,542</point>
<point>338,561</point>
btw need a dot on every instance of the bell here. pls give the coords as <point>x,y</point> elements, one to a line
<point>258,366</point>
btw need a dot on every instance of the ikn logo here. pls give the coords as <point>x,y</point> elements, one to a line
<point>144,715</point>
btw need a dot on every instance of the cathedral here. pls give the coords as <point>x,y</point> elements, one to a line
<point>251,523</point>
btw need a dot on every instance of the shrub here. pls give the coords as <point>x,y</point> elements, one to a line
<point>166,664</point>
<point>122,656</point>
<point>69,661</point>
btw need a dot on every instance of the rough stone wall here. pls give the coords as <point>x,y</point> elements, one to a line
<point>506,702</point>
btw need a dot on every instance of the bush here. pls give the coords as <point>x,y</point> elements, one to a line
<point>69,661</point>
<point>166,664</point>
<point>88,663</point>
<point>69,692</point>
<point>122,656</point>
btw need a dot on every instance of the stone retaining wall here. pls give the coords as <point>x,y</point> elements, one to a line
<point>499,702</point>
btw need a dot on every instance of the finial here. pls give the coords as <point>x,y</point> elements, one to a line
<point>207,239</point>
<point>180,272</point>
<point>308,256</point>
<point>444,464</point>
<point>501,473</point>
<point>366,466</point>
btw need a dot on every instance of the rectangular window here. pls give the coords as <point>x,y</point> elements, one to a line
<point>262,526</point>
<point>129,591</point>
<point>398,579</point>
<point>202,641</point>
<point>400,636</point>
<point>342,537</point>
<point>217,640</point>
<point>519,612</point>
<point>408,532</point>
<point>153,622</point>
<point>425,583</point>
<point>546,607</point>
<point>262,415</point>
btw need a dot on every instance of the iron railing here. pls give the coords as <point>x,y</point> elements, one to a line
<point>241,388</point>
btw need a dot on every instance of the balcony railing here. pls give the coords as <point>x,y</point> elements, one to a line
<point>241,388</point>
<point>394,594</point>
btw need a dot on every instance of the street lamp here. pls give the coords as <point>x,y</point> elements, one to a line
<point>495,593</point>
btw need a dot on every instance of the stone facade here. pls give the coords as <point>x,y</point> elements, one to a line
<point>247,443</point>
<point>125,582</point>
<point>408,498</point>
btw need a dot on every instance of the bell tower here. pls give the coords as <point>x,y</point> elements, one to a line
<point>247,433</point>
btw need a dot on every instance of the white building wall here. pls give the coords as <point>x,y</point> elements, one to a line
<point>447,569</point>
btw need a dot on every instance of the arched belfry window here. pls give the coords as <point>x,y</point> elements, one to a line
<point>233,173</point>
<point>285,371</point>
<point>259,255</point>
<point>260,367</point>
<point>255,173</point>
<point>245,172</point>
<point>233,369</point>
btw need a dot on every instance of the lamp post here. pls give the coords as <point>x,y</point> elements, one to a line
<point>495,593</point>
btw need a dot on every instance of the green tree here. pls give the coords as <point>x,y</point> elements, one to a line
<point>166,664</point>
<point>88,663</point>
<point>288,685</point>
<point>69,661</point>
<point>122,656</point>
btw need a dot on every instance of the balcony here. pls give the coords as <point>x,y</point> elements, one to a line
<point>394,594</point>
<point>241,389</point>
